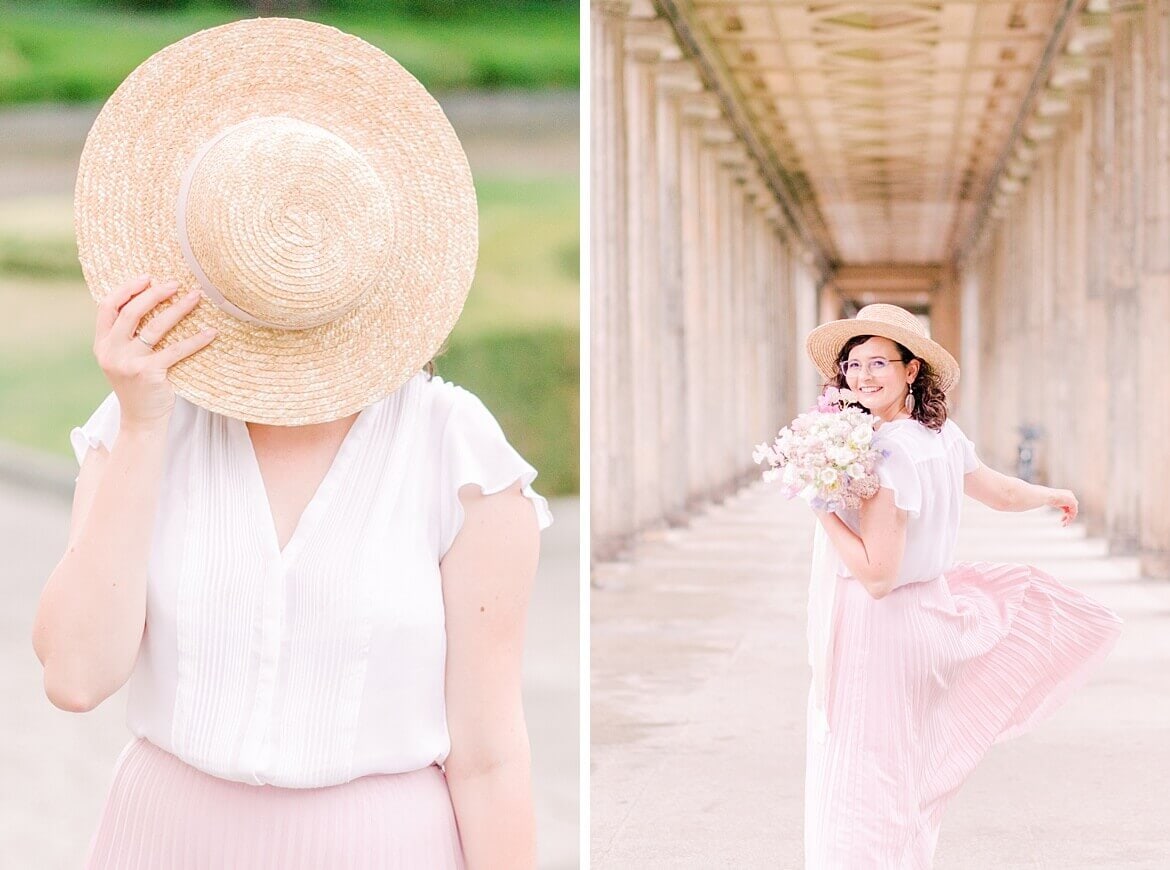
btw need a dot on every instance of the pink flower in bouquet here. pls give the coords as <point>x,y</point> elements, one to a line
<point>830,401</point>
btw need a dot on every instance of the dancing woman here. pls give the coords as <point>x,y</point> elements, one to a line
<point>925,663</point>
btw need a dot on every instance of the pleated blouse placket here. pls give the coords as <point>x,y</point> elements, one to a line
<point>256,749</point>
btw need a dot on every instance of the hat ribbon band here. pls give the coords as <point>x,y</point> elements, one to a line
<point>209,289</point>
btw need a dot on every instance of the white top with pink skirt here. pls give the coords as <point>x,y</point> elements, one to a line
<point>322,662</point>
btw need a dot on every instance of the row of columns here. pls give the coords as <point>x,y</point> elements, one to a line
<point>1066,301</point>
<point>699,291</point>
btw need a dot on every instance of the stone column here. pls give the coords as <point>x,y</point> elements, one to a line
<point>646,43</point>
<point>784,327</point>
<point>611,408</point>
<point>734,434</point>
<point>1154,338</point>
<point>696,208</point>
<point>719,289</point>
<point>1124,320</point>
<point>1066,372</point>
<point>945,314</point>
<point>1004,358</point>
<point>805,294</point>
<point>1042,407</point>
<point>1094,492</point>
<point>759,375</point>
<point>968,404</point>
<point>713,181</point>
<point>674,80</point>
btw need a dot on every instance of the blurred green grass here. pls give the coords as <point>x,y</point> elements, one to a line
<point>531,382</point>
<point>516,345</point>
<point>71,51</point>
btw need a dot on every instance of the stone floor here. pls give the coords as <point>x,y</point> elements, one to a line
<point>699,681</point>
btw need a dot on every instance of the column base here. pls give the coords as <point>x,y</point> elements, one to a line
<point>1155,564</point>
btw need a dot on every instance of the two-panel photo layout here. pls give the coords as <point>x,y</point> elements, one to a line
<point>552,434</point>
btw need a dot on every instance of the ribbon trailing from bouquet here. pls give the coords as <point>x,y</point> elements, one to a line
<point>822,596</point>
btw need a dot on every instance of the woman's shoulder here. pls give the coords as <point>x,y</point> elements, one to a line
<point>458,420</point>
<point>953,434</point>
<point>446,400</point>
<point>907,429</point>
<point>474,449</point>
<point>904,432</point>
<point>923,445</point>
<point>917,439</point>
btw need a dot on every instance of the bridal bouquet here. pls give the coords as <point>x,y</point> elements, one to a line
<point>825,455</point>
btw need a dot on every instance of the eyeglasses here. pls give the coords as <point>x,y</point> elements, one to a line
<point>875,366</point>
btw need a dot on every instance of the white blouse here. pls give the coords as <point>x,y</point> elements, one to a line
<point>925,470</point>
<point>322,662</point>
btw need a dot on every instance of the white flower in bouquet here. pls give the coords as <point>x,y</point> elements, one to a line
<point>843,456</point>
<point>861,436</point>
<point>826,454</point>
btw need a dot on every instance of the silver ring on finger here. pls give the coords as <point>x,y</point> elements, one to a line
<point>144,341</point>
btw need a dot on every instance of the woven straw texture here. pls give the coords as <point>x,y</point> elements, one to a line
<point>340,225</point>
<point>890,321</point>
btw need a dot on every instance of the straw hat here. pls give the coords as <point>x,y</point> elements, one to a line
<point>888,321</point>
<point>313,189</point>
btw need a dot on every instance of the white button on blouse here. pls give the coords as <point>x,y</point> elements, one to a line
<point>322,662</point>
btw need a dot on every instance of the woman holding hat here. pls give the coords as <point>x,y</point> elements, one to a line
<point>309,557</point>
<point>921,664</point>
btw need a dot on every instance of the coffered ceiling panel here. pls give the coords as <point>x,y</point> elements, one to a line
<point>888,116</point>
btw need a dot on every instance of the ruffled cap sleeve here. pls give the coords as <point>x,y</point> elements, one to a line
<point>100,428</point>
<point>897,470</point>
<point>475,450</point>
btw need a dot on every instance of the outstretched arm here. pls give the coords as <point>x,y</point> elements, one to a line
<point>1002,492</point>
<point>874,557</point>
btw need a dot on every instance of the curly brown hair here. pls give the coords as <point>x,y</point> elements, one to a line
<point>930,403</point>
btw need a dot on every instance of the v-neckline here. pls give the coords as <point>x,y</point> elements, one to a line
<point>317,502</point>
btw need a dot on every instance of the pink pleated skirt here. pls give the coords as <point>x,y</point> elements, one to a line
<point>162,813</point>
<point>923,682</point>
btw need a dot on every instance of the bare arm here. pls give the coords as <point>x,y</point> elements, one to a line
<point>92,611</point>
<point>1002,492</point>
<point>487,581</point>
<point>874,557</point>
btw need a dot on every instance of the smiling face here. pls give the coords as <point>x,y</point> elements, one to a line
<point>881,390</point>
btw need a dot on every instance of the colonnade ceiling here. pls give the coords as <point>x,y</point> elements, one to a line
<point>886,118</point>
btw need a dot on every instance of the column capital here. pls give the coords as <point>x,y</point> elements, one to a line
<point>678,77</point>
<point>717,132</point>
<point>734,154</point>
<point>701,107</point>
<point>651,41</point>
<point>642,9</point>
<point>758,191</point>
<point>774,215</point>
<point>610,8</point>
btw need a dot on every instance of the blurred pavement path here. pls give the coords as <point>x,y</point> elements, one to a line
<point>504,133</point>
<point>700,680</point>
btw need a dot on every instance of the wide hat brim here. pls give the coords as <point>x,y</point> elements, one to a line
<point>146,135</point>
<point>825,342</point>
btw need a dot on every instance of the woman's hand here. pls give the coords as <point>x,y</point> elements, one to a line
<point>138,373</point>
<point>1066,501</point>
